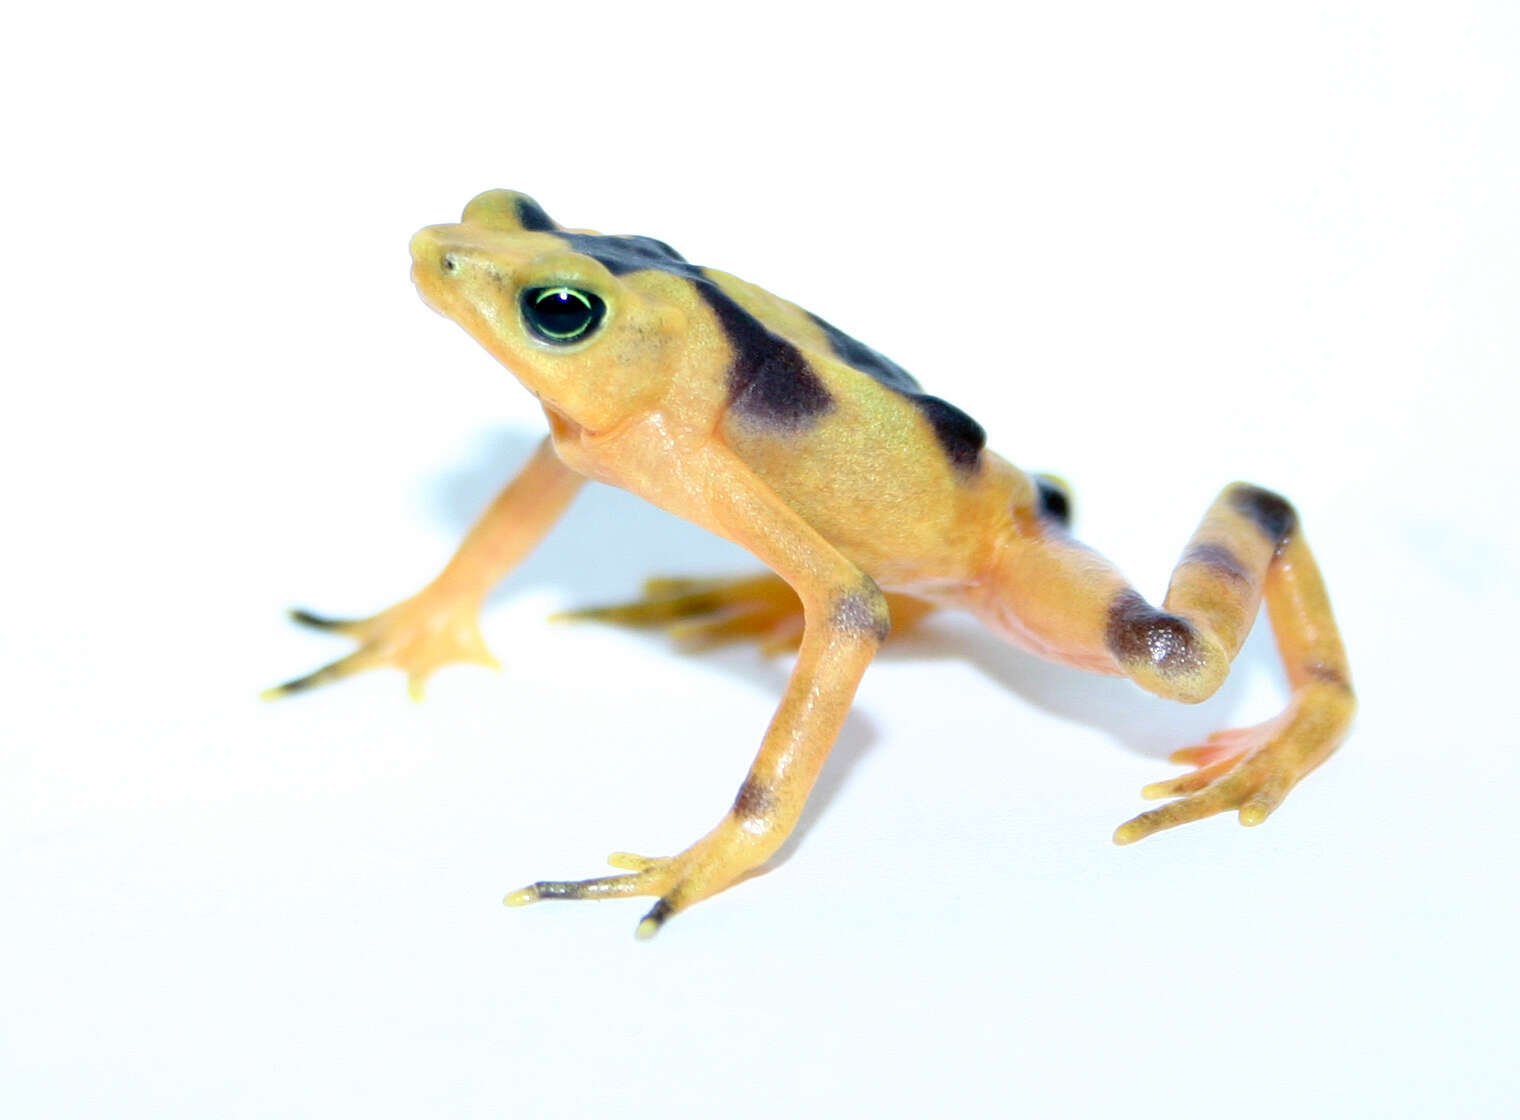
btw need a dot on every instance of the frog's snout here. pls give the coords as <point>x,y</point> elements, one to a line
<point>428,252</point>
<point>434,263</point>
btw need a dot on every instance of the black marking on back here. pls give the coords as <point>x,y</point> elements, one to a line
<point>1270,512</point>
<point>770,379</point>
<point>961,437</point>
<point>531,216</point>
<point>619,255</point>
<point>1054,503</point>
<point>858,355</point>
<point>622,255</point>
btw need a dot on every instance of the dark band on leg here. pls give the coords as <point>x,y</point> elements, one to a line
<point>1271,513</point>
<point>1327,674</point>
<point>755,799</point>
<point>1219,560</point>
<point>1138,632</point>
<point>863,612</point>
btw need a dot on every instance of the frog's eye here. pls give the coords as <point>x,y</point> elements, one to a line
<point>562,315</point>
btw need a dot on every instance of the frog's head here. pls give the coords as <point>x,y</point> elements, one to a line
<point>587,323</point>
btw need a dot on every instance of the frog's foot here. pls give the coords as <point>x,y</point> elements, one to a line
<point>418,636</point>
<point>718,860</point>
<point>1250,769</point>
<point>708,612</point>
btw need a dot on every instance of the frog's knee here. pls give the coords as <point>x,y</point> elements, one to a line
<point>862,612</point>
<point>1164,653</point>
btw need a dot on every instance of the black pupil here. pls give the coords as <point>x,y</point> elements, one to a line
<point>562,314</point>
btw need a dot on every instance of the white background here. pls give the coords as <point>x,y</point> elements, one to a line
<point>1152,247</point>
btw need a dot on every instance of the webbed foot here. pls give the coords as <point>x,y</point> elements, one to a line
<point>1251,769</point>
<point>418,636</point>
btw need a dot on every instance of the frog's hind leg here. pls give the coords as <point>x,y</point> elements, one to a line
<point>709,612</point>
<point>1249,548</point>
<point>1253,769</point>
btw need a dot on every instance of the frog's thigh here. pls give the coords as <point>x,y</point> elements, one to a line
<point>1078,604</point>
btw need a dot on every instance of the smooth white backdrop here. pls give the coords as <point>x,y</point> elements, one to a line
<point>1152,248</point>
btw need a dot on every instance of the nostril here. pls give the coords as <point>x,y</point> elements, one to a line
<point>449,264</point>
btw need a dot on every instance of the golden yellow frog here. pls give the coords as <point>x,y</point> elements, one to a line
<point>872,503</point>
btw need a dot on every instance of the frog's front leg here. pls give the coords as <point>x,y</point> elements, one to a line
<point>845,621</point>
<point>440,623</point>
<point>1249,546</point>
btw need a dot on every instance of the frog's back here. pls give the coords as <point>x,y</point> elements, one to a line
<point>897,479</point>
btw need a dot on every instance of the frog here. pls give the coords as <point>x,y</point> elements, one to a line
<point>870,503</point>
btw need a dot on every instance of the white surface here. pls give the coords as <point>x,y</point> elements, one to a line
<point>1152,247</point>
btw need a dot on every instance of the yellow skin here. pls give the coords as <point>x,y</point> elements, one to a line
<point>871,503</point>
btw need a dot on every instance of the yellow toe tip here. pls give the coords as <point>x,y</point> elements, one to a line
<point>525,897</point>
<point>646,929</point>
<point>1253,815</point>
<point>1128,834</point>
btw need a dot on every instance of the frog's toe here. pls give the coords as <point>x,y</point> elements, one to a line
<point>1216,797</point>
<point>1187,783</point>
<point>1220,745</point>
<point>323,622</point>
<point>659,878</point>
<point>1250,770</point>
<point>718,860</point>
<point>418,636</point>
<point>710,612</point>
<point>608,886</point>
<point>330,673</point>
<point>627,861</point>
<point>700,613</point>
<point>774,634</point>
<point>664,602</point>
